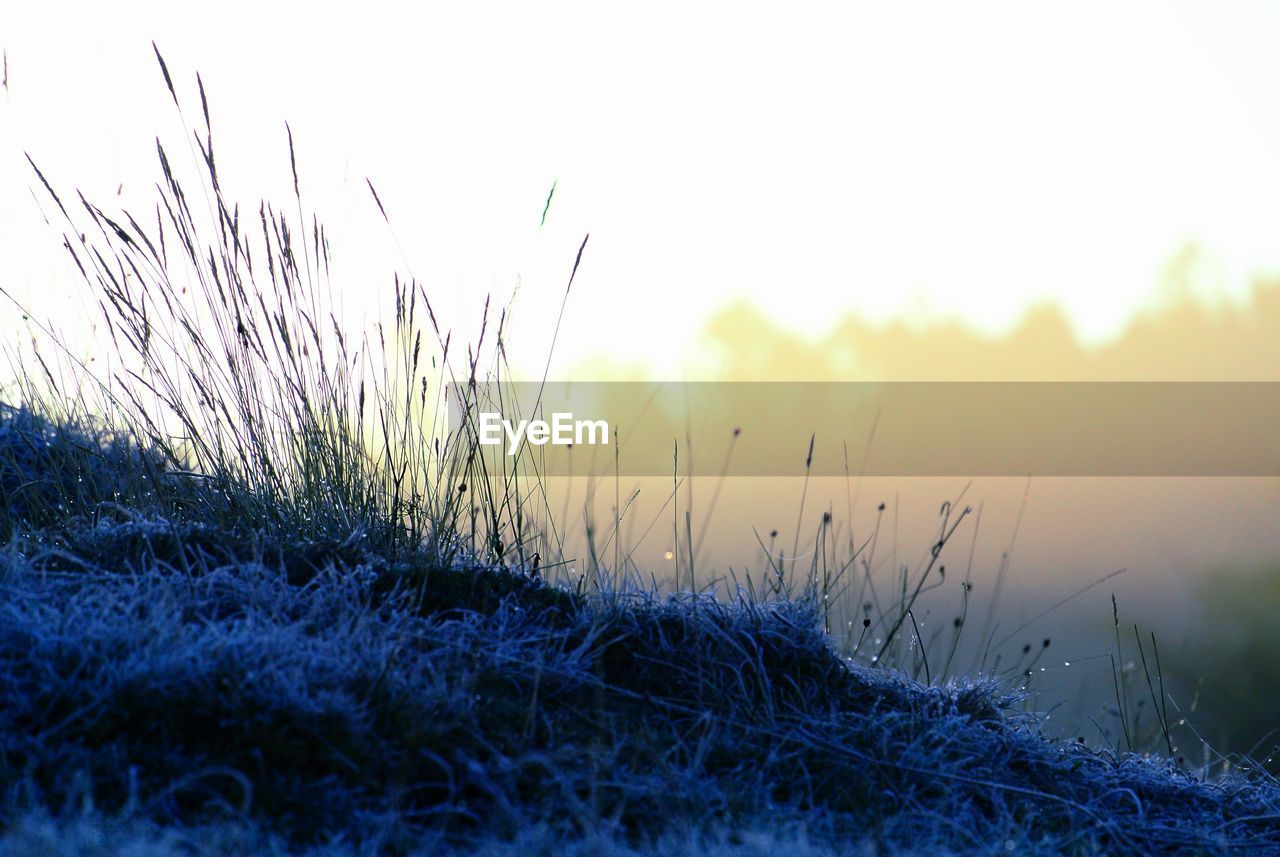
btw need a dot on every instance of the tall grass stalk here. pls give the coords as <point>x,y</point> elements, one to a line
<point>231,362</point>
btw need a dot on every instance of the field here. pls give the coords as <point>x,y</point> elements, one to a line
<point>256,602</point>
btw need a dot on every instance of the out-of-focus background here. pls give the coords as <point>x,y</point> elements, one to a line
<point>841,191</point>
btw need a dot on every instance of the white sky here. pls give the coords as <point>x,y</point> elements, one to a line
<point>904,158</point>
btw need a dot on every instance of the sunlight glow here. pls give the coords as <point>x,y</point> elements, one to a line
<point>898,160</point>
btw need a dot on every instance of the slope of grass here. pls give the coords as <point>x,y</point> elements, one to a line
<point>163,678</point>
